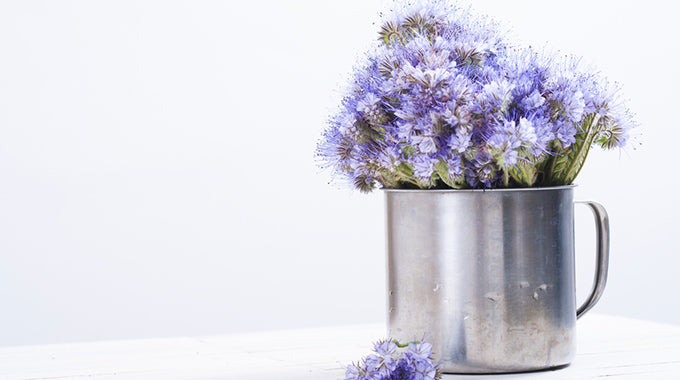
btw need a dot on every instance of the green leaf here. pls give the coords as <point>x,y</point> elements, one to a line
<point>525,174</point>
<point>387,179</point>
<point>404,170</point>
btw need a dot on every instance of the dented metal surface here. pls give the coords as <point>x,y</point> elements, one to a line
<point>486,276</point>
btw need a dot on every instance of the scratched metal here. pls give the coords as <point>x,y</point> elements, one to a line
<point>487,276</point>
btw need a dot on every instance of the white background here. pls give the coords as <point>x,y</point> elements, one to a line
<point>157,173</point>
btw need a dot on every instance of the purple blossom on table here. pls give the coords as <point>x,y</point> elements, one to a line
<point>388,362</point>
<point>443,101</point>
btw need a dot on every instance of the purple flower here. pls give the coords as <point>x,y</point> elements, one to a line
<point>423,166</point>
<point>385,348</point>
<point>369,108</point>
<point>354,372</point>
<point>388,363</point>
<point>526,132</point>
<point>566,134</point>
<point>421,350</point>
<point>444,101</point>
<point>533,101</point>
<point>426,144</point>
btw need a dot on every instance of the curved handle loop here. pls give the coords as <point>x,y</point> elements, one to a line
<point>602,267</point>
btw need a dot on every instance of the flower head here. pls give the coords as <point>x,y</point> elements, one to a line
<point>388,363</point>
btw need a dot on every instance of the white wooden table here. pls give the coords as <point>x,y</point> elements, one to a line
<point>615,347</point>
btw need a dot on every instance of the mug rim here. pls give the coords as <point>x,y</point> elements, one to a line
<point>503,190</point>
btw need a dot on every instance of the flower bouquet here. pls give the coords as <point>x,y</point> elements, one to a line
<point>444,102</point>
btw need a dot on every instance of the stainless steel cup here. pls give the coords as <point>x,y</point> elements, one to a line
<point>487,276</point>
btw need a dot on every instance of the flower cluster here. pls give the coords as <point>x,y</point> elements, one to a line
<point>389,364</point>
<point>444,102</point>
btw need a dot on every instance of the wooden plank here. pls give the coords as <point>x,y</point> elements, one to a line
<point>608,346</point>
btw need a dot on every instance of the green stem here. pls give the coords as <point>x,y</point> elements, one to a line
<point>548,179</point>
<point>404,345</point>
<point>582,163</point>
<point>586,145</point>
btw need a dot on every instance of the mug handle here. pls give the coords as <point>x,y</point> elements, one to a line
<point>602,267</point>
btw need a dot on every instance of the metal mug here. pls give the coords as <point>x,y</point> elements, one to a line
<point>487,276</point>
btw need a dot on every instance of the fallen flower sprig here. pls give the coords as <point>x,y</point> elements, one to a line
<point>391,362</point>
